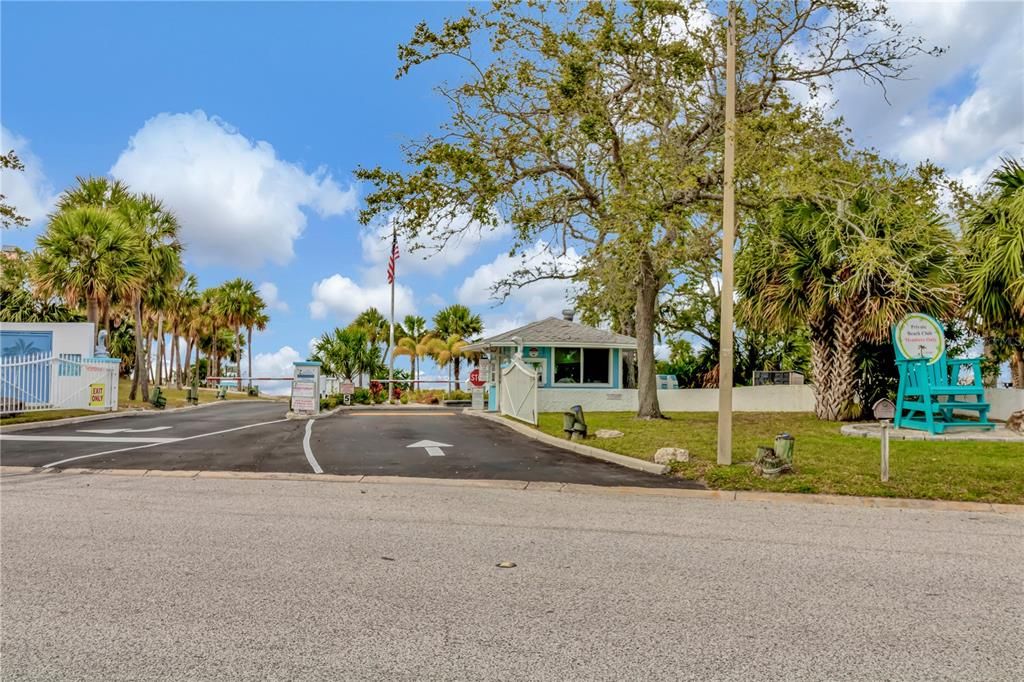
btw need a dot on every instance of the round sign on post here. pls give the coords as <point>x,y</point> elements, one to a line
<point>474,378</point>
<point>920,336</point>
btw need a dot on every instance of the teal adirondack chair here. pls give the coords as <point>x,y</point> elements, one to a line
<point>933,388</point>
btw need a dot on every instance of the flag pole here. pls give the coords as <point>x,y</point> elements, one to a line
<point>391,341</point>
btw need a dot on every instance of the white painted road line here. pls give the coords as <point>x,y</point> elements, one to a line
<point>149,445</point>
<point>92,439</point>
<point>309,451</point>
<point>110,431</point>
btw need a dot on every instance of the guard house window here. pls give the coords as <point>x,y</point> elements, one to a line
<point>567,365</point>
<point>72,368</point>
<point>582,366</point>
<point>596,366</point>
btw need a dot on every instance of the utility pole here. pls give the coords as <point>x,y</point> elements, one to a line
<point>725,352</point>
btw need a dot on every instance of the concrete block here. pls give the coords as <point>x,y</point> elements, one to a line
<point>608,433</point>
<point>669,455</point>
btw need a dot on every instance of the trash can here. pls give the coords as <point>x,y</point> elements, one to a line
<point>784,448</point>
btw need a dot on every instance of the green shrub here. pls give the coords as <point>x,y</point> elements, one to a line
<point>361,396</point>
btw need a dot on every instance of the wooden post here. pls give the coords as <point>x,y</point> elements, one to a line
<point>725,354</point>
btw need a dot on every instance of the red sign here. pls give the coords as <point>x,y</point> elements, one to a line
<point>474,378</point>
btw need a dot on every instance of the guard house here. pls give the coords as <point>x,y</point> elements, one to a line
<point>575,364</point>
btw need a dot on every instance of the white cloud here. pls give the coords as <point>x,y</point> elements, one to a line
<point>963,109</point>
<point>539,299</point>
<point>271,296</point>
<point>435,255</point>
<point>436,299</point>
<point>276,364</point>
<point>28,191</point>
<point>344,298</point>
<point>237,203</point>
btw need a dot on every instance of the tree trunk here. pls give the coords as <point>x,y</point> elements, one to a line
<point>238,371</point>
<point>174,376</point>
<point>249,357</point>
<point>990,378</point>
<point>456,362</point>
<point>140,359</point>
<point>646,303</point>
<point>92,314</point>
<point>188,359</point>
<point>821,369</point>
<point>836,401</point>
<point>1017,368</point>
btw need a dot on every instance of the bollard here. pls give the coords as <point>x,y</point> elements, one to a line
<point>885,451</point>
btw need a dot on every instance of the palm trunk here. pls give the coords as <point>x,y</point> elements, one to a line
<point>188,359</point>
<point>175,377</point>
<point>238,332</point>
<point>249,357</point>
<point>646,304</point>
<point>139,348</point>
<point>1017,368</point>
<point>836,399</point>
<point>92,314</point>
<point>158,370</point>
<point>457,362</point>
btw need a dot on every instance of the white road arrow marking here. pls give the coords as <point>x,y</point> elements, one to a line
<point>433,447</point>
<point>110,431</point>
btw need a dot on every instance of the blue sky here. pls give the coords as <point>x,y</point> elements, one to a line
<point>249,118</point>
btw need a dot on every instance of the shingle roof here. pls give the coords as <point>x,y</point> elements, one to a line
<point>558,332</point>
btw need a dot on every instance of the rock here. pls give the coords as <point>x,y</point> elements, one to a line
<point>1016,422</point>
<point>608,433</point>
<point>669,455</point>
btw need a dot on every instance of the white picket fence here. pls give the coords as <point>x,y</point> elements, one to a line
<point>30,383</point>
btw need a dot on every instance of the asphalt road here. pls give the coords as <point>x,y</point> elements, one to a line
<point>253,436</point>
<point>126,578</point>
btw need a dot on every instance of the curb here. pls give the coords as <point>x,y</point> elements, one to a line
<point>131,412</point>
<point>579,449</point>
<point>747,496</point>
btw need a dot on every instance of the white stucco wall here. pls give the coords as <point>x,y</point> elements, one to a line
<point>745,399</point>
<point>1004,402</point>
<point>68,337</point>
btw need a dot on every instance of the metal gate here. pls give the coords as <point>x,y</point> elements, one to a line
<point>518,398</point>
<point>30,383</point>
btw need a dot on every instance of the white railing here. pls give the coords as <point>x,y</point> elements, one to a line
<point>30,383</point>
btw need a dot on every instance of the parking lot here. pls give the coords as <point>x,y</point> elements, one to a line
<point>257,436</point>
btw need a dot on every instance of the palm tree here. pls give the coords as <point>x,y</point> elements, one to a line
<point>993,257</point>
<point>237,306</point>
<point>446,353</point>
<point>377,327</point>
<point>345,353</point>
<point>848,269</point>
<point>157,229</point>
<point>257,319</point>
<point>457,320</point>
<point>414,342</point>
<point>184,306</point>
<point>96,191</point>
<point>91,254</point>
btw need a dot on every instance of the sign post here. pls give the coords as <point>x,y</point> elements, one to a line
<point>347,389</point>
<point>305,384</point>
<point>884,410</point>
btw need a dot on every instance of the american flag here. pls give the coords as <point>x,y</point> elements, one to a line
<point>392,259</point>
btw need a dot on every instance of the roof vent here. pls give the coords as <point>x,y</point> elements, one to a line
<point>568,314</point>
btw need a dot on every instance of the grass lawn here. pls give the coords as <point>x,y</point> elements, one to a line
<point>825,461</point>
<point>175,398</point>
